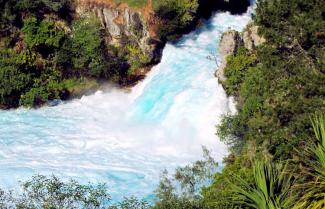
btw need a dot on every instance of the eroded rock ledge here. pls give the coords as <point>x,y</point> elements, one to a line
<point>231,40</point>
<point>124,24</point>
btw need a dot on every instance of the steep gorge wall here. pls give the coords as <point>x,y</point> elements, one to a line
<point>124,25</point>
<point>231,40</point>
<point>140,25</point>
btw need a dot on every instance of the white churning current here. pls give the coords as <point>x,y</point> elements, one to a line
<point>127,139</point>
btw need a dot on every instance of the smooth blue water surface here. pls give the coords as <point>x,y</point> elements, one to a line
<point>126,139</point>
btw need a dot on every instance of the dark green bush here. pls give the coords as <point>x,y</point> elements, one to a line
<point>88,54</point>
<point>277,87</point>
<point>52,193</point>
<point>176,17</point>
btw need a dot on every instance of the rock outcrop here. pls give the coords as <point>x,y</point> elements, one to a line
<point>231,40</point>
<point>251,38</point>
<point>123,25</point>
<point>126,25</point>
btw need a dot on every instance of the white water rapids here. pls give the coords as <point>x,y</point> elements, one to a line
<point>127,139</point>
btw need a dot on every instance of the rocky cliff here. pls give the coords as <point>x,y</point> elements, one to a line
<point>139,26</point>
<point>124,25</point>
<point>231,40</point>
<point>251,38</point>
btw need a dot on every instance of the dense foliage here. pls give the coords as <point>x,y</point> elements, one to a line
<point>276,140</point>
<point>281,83</point>
<point>177,191</point>
<point>45,193</point>
<point>50,53</point>
<point>43,53</point>
<point>314,187</point>
<point>176,17</point>
<point>278,86</point>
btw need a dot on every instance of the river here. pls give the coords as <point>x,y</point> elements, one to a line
<point>127,139</point>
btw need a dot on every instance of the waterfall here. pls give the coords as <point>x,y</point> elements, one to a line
<point>127,139</point>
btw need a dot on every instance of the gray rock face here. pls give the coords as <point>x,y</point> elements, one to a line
<point>230,41</point>
<point>251,38</point>
<point>122,26</point>
<point>107,18</point>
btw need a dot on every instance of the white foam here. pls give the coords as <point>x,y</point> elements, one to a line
<point>126,139</point>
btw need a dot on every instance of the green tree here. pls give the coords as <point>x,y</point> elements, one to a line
<point>45,88</point>
<point>136,58</point>
<point>42,36</point>
<point>176,16</point>
<point>182,190</point>
<point>12,82</point>
<point>88,54</point>
<point>130,203</point>
<point>51,193</point>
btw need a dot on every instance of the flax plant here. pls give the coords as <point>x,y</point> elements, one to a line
<point>314,195</point>
<point>271,188</point>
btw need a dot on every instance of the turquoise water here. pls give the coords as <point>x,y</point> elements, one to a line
<point>126,139</point>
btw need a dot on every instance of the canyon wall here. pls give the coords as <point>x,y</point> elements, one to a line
<point>231,40</point>
<point>124,25</point>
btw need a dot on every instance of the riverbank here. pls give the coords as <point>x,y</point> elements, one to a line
<point>275,70</point>
<point>48,49</point>
<point>126,139</point>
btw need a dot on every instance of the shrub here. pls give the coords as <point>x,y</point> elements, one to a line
<point>176,16</point>
<point>42,36</point>
<point>51,193</point>
<point>136,58</point>
<point>12,82</point>
<point>314,189</point>
<point>47,87</point>
<point>88,54</point>
<point>271,188</point>
<point>237,68</point>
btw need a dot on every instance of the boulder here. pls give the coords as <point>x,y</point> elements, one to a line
<point>251,38</point>
<point>230,41</point>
